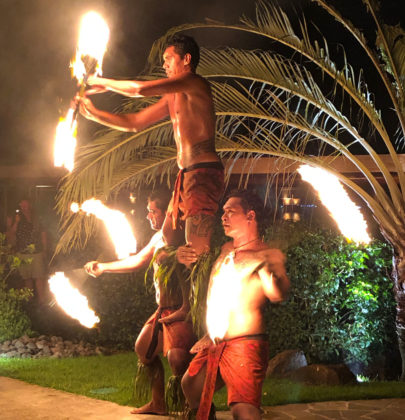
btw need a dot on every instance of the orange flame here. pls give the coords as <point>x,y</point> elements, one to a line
<point>223,298</point>
<point>72,301</point>
<point>116,223</point>
<point>332,194</point>
<point>65,142</point>
<point>93,38</point>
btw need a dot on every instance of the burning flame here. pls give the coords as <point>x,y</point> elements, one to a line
<point>116,223</point>
<point>223,298</point>
<point>65,141</point>
<point>332,194</point>
<point>93,38</point>
<point>72,301</point>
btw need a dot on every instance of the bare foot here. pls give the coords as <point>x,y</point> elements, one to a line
<point>150,408</point>
<point>179,315</point>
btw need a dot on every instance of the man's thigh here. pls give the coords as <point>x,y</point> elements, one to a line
<point>143,342</point>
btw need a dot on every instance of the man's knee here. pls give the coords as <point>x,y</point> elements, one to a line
<point>244,411</point>
<point>179,360</point>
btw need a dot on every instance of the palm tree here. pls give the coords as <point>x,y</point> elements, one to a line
<point>299,106</point>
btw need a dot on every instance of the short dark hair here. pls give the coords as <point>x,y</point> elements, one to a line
<point>184,44</point>
<point>161,197</point>
<point>249,200</point>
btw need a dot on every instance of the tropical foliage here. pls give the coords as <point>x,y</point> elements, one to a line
<point>341,305</point>
<point>14,322</point>
<point>292,99</point>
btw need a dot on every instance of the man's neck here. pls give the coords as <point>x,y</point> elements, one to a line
<point>245,241</point>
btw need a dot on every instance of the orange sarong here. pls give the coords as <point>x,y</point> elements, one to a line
<point>242,364</point>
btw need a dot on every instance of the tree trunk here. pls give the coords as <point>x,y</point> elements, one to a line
<point>398,274</point>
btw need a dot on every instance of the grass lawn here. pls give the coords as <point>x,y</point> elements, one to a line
<point>110,378</point>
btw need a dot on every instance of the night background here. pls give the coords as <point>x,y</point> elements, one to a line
<point>39,40</point>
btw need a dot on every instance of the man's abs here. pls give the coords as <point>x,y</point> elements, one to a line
<point>190,154</point>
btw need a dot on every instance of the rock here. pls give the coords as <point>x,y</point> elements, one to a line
<point>19,344</point>
<point>44,346</point>
<point>318,374</point>
<point>12,353</point>
<point>285,362</point>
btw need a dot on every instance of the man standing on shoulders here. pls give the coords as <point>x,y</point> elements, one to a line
<point>186,98</point>
<point>173,339</point>
<point>244,276</point>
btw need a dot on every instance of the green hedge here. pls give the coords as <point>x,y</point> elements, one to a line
<point>341,306</point>
<point>14,322</point>
<point>123,302</point>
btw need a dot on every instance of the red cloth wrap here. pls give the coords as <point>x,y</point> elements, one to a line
<point>197,190</point>
<point>242,363</point>
<point>176,335</point>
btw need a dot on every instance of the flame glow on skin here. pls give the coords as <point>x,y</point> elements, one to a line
<point>93,39</point>
<point>72,301</point>
<point>223,298</point>
<point>116,224</point>
<point>65,142</point>
<point>332,194</point>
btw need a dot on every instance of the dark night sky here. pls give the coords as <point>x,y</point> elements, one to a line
<point>39,39</point>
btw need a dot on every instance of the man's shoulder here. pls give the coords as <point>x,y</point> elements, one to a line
<point>227,247</point>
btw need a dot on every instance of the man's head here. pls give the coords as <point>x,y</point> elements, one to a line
<point>181,54</point>
<point>157,206</point>
<point>243,211</point>
<point>25,206</point>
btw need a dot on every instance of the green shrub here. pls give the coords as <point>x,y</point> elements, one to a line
<point>14,322</point>
<point>123,302</point>
<point>341,306</point>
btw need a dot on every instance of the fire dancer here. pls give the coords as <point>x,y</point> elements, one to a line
<point>246,273</point>
<point>174,339</point>
<point>187,100</point>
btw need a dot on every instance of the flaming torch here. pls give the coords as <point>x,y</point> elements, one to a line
<point>332,194</point>
<point>72,301</point>
<point>93,39</point>
<point>116,223</point>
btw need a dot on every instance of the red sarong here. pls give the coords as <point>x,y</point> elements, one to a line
<point>197,190</point>
<point>242,364</point>
<point>176,335</point>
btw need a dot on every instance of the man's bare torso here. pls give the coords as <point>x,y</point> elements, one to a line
<point>245,292</point>
<point>193,118</point>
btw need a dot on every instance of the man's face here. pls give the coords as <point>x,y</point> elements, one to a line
<point>173,64</point>
<point>234,220</point>
<point>24,206</point>
<point>155,216</point>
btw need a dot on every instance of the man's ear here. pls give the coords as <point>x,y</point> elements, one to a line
<point>251,215</point>
<point>187,58</point>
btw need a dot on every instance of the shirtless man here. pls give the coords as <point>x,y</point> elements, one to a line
<point>173,339</point>
<point>245,275</point>
<point>187,100</point>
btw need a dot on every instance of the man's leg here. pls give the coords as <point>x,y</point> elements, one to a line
<point>193,386</point>
<point>173,237</point>
<point>244,411</point>
<point>198,234</point>
<point>156,371</point>
<point>179,360</point>
<point>199,231</point>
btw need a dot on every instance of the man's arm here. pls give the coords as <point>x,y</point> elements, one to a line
<point>136,88</point>
<point>131,263</point>
<point>273,276</point>
<point>132,122</point>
